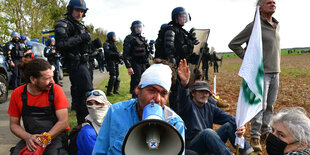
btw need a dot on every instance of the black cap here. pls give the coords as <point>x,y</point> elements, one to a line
<point>201,85</point>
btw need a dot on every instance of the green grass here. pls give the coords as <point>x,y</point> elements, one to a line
<point>283,52</point>
<point>124,93</point>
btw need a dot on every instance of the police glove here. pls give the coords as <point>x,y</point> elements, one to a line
<point>85,37</point>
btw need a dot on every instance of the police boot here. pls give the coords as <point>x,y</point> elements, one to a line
<point>110,86</point>
<point>116,86</point>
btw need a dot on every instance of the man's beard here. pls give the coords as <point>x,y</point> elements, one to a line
<point>43,88</point>
<point>202,101</point>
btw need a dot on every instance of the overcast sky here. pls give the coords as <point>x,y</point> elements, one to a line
<point>224,18</point>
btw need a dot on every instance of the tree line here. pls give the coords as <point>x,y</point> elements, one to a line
<point>32,17</point>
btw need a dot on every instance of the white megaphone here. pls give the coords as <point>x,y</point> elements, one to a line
<point>153,135</point>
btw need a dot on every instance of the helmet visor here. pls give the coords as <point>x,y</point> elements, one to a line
<point>183,17</point>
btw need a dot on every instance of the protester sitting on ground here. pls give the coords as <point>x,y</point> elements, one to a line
<point>290,132</point>
<point>43,107</point>
<point>98,106</point>
<point>199,116</point>
<point>154,85</point>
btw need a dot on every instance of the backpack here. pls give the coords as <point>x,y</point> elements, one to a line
<point>73,136</point>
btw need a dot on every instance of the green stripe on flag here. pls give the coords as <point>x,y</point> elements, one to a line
<point>248,95</point>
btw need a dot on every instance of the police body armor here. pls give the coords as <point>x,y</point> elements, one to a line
<point>111,53</point>
<point>67,34</point>
<point>17,52</point>
<point>138,50</point>
<point>174,42</point>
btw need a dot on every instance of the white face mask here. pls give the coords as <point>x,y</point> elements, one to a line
<point>98,113</point>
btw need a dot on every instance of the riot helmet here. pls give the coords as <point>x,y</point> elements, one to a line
<point>15,34</point>
<point>50,40</point>
<point>77,4</point>
<point>23,38</point>
<point>180,11</point>
<point>136,27</point>
<point>110,36</point>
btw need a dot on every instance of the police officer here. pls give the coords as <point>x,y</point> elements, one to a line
<point>206,58</point>
<point>216,65</point>
<point>73,40</point>
<point>175,43</point>
<point>27,49</point>
<point>135,54</point>
<point>15,54</point>
<point>53,58</point>
<point>113,58</point>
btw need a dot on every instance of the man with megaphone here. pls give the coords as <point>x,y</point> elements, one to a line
<point>124,119</point>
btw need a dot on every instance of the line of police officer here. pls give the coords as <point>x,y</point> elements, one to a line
<point>15,50</point>
<point>74,41</point>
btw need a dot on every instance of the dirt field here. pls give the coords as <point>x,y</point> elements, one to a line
<point>294,87</point>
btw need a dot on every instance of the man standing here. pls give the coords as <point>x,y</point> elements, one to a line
<point>154,86</point>
<point>73,42</point>
<point>135,54</point>
<point>271,60</point>
<point>175,43</point>
<point>53,58</point>
<point>43,107</point>
<point>199,116</point>
<point>15,54</point>
<point>112,58</point>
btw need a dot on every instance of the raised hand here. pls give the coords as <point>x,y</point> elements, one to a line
<point>184,72</point>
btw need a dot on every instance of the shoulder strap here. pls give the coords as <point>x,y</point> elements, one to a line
<point>24,96</point>
<point>51,98</point>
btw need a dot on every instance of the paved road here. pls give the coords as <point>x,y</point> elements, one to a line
<point>7,139</point>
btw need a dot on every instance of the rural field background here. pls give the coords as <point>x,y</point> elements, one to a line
<point>293,90</point>
<point>294,84</point>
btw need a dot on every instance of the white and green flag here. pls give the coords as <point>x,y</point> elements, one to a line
<point>252,71</point>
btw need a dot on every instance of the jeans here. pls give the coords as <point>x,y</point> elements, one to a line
<point>262,119</point>
<point>209,141</point>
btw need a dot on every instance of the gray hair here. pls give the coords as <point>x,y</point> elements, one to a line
<point>296,121</point>
<point>260,3</point>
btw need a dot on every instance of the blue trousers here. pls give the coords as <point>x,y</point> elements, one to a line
<point>209,141</point>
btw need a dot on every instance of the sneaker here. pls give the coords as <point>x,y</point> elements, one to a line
<point>255,143</point>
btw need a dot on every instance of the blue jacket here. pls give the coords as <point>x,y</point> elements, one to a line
<point>197,119</point>
<point>86,140</point>
<point>120,118</point>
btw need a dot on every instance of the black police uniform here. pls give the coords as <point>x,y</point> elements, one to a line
<point>53,59</point>
<point>136,57</point>
<point>73,40</point>
<point>113,59</point>
<point>176,44</point>
<point>41,119</point>
<point>216,65</point>
<point>206,58</point>
<point>17,53</point>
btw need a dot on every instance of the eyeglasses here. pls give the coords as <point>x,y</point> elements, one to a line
<point>95,93</point>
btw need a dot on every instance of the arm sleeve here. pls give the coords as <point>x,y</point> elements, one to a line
<point>169,43</point>
<point>184,98</point>
<point>13,109</point>
<point>47,52</point>
<point>63,41</point>
<point>221,117</point>
<point>86,140</point>
<point>61,101</point>
<point>179,125</point>
<point>241,38</point>
<point>103,139</point>
<point>126,53</point>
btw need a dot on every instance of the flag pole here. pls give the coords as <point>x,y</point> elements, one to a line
<point>237,149</point>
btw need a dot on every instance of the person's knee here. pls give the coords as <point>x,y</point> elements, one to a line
<point>208,133</point>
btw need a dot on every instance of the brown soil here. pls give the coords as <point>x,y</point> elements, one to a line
<point>293,90</point>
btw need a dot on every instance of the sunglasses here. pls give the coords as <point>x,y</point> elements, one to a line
<point>95,93</point>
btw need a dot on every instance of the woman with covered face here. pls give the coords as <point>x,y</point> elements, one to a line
<point>290,133</point>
